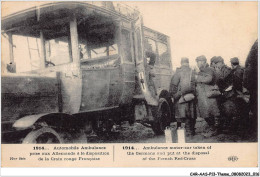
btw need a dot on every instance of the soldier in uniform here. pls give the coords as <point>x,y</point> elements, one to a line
<point>182,83</point>
<point>224,81</point>
<point>242,108</point>
<point>223,73</point>
<point>151,76</point>
<point>233,109</point>
<point>237,72</point>
<point>150,55</point>
<point>212,62</point>
<point>208,107</point>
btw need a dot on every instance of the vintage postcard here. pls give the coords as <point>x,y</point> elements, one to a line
<point>129,84</point>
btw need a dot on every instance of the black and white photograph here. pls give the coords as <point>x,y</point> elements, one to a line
<point>76,72</point>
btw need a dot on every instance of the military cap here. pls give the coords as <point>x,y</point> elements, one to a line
<point>219,59</point>
<point>152,57</point>
<point>184,60</point>
<point>216,59</point>
<point>201,58</point>
<point>212,60</point>
<point>234,60</point>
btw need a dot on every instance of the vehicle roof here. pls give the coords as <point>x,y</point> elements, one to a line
<point>44,11</point>
<point>57,9</point>
<point>158,34</point>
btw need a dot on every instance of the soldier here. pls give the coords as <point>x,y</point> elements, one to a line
<point>242,108</point>
<point>223,73</point>
<point>232,108</point>
<point>212,62</point>
<point>207,106</point>
<point>182,89</point>
<point>237,74</point>
<point>224,81</point>
<point>152,57</point>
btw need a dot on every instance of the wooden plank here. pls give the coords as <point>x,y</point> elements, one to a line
<point>58,74</point>
<point>28,85</point>
<point>74,40</point>
<point>15,108</point>
<point>115,87</point>
<point>128,93</point>
<point>95,89</point>
<point>11,48</point>
<point>43,52</point>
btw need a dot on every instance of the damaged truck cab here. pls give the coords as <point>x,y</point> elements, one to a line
<point>81,66</point>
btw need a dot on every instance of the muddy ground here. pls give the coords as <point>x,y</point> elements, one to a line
<point>137,133</point>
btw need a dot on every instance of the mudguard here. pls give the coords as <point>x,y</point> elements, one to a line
<point>50,118</point>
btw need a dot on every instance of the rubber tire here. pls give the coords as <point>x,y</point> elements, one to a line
<point>33,135</point>
<point>159,125</point>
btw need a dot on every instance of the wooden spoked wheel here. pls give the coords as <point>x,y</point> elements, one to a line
<point>44,135</point>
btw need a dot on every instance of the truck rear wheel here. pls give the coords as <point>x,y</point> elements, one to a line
<point>44,135</point>
<point>162,118</point>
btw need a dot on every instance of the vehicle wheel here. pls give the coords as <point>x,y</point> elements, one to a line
<point>44,135</point>
<point>162,118</point>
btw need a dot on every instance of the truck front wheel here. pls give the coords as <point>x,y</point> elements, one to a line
<point>163,117</point>
<point>44,135</point>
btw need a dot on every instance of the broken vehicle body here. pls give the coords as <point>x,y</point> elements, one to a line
<point>81,66</point>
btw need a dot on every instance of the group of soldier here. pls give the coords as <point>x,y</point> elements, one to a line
<point>215,93</point>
